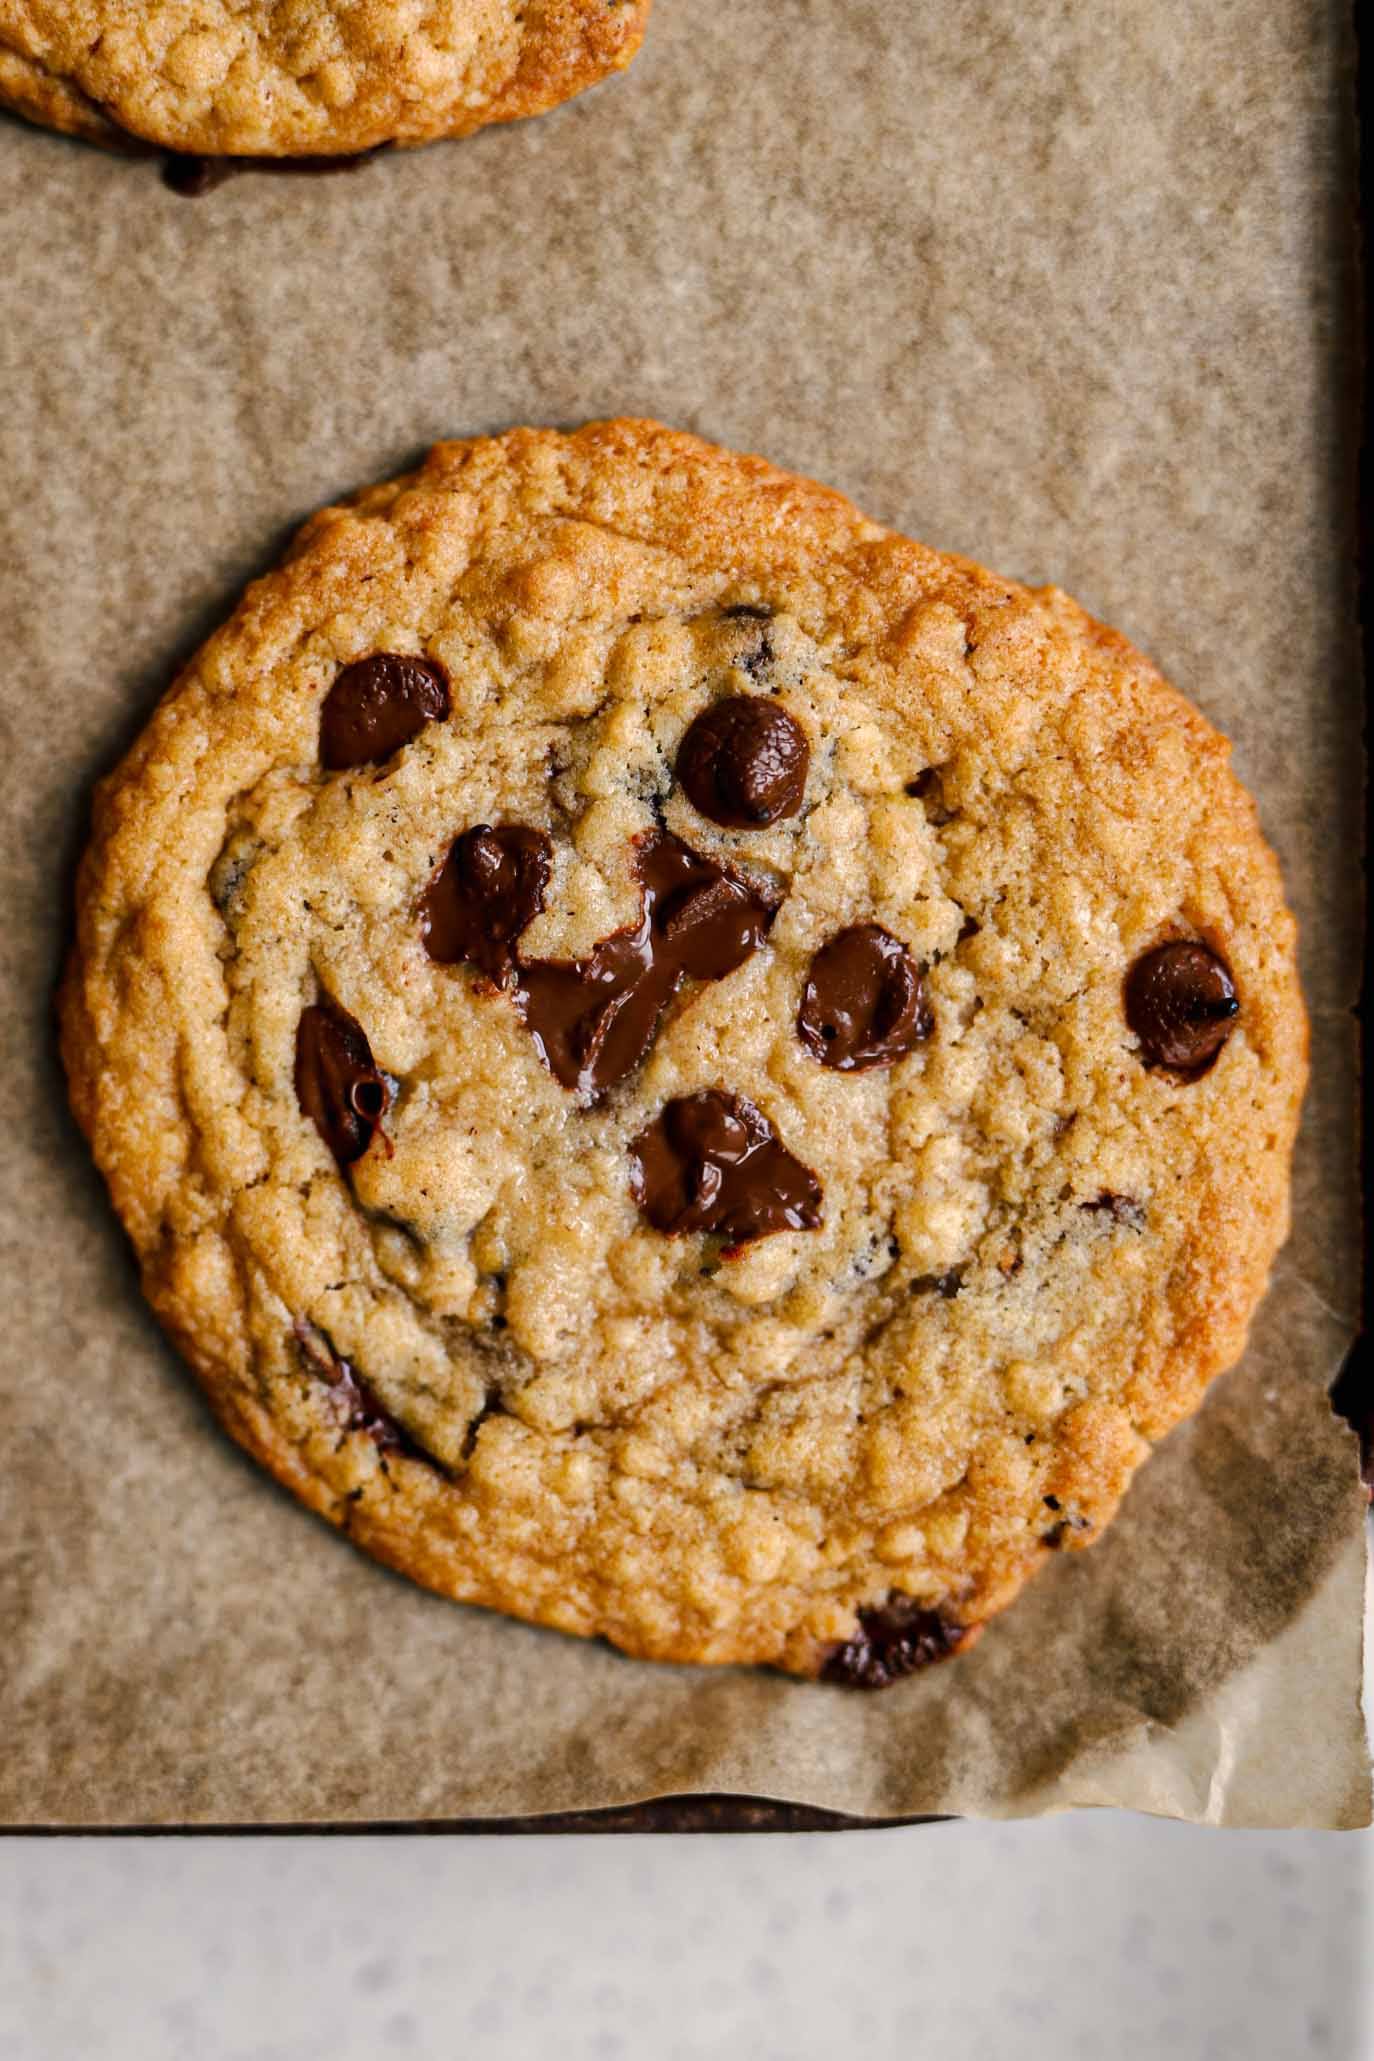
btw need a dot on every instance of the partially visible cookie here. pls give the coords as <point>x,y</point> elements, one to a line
<point>28,88</point>
<point>680,1065</point>
<point>314,78</point>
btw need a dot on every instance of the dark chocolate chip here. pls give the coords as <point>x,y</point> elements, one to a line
<point>863,1004</point>
<point>893,1639</point>
<point>594,1019</point>
<point>747,612</point>
<point>743,762</point>
<point>353,1397</point>
<point>1182,1005</point>
<point>378,704</point>
<point>338,1084</point>
<point>1123,1209</point>
<point>488,889</point>
<point>713,1162</point>
<point>758,660</point>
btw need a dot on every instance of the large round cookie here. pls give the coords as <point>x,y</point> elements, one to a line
<point>302,78</point>
<point>680,1065</point>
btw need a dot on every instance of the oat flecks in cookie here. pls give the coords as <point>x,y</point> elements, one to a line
<point>211,79</point>
<point>563,1016</point>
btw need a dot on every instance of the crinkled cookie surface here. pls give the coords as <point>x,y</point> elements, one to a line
<point>302,78</point>
<point>680,1065</point>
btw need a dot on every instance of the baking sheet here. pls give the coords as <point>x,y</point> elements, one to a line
<point>1068,289</point>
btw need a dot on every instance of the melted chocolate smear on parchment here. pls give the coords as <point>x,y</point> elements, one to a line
<point>192,176</point>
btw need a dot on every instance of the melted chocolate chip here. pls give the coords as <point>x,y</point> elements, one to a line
<point>193,176</point>
<point>894,1639</point>
<point>1182,1005</point>
<point>743,762</point>
<point>862,1004</point>
<point>488,889</point>
<point>377,705</point>
<point>362,1412</point>
<point>594,1019</point>
<point>713,1162</point>
<point>337,1082</point>
<point>747,612</point>
<point>354,1398</point>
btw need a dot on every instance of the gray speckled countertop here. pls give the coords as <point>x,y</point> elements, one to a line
<point>1094,1935</point>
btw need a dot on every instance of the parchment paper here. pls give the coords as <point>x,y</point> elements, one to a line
<point>1066,287</point>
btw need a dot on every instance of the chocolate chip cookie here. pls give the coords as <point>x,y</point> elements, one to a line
<point>680,1065</point>
<point>316,78</point>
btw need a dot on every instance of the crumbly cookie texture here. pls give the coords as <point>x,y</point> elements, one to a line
<point>301,78</point>
<point>995,1235</point>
